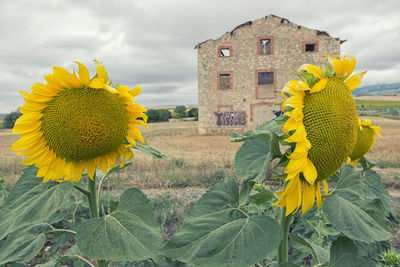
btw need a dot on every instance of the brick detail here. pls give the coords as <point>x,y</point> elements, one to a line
<point>220,107</point>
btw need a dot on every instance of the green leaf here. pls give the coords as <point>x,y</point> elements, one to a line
<point>268,130</point>
<point>24,245</point>
<point>245,190</point>
<point>217,233</point>
<point>352,261</point>
<point>344,254</point>
<point>341,246</point>
<point>129,233</point>
<point>351,220</point>
<point>262,197</point>
<point>149,150</point>
<point>371,188</point>
<point>236,137</point>
<point>25,183</point>
<point>366,163</point>
<point>349,178</point>
<point>118,167</point>
<point>287,264</point>
<point>322,254</point>
<point>252,159</point>
<point>32,205</point>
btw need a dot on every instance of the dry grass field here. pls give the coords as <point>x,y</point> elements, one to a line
<point>199,161</point>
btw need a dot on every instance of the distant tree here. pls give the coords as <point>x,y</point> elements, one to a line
<point>164,115</point>
<point>10,118</point>
<point>157,115</point>
<point>194,112</point>
<point>180,112</point>
<point>152,115</point>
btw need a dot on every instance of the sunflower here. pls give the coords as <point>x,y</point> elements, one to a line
<point>322,124</point>
<point>75,123</point>
<point>365,140</point>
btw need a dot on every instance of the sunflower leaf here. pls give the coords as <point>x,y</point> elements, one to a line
<point>149,150</point>
<point>371,189</point>
<point>216,232</point>
<point>252,159</point>
<point>319,252</point>
<point>22,246</point>
<point>353,221</point>
<point>129,233</point>
<point>344,253</point>
<point>31,202</point>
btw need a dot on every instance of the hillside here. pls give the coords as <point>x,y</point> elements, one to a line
<point>391,89</point>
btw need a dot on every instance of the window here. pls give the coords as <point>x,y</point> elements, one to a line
<point>225,80</point>
<point>265,84</point>
<point>224,51</point>
<point>265,46</point>
<point>309,47</point>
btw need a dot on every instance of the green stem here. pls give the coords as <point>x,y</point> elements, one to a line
<point>92,197</point>
<point>94,208</point>
<point>100,185</point>
<point>82,190</point>
<point>66,231</point>
<point>283,249</point>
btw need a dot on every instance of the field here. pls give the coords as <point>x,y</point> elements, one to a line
<point>195,163</point>
<point>380,106</point>
<point>198,161</point>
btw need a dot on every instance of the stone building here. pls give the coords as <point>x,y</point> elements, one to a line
<point>241,73</point>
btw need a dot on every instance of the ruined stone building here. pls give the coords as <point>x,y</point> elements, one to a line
<point>241,73</point>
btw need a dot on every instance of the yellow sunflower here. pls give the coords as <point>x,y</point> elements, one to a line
<point>365,140</point>
<point>323,124</point>
<point>75,123</point>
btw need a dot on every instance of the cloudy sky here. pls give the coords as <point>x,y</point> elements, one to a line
<point>151,42</point>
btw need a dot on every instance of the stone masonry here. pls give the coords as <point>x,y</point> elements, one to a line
<point>241,73</point>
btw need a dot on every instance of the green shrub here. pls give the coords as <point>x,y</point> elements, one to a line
<point>158,115</point>
<point>9,119</point>
<point>194,112</point>
<point>180,112</point>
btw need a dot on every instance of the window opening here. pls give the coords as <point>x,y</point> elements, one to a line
<point>265,84</point>
<point>310,48</point>
<point>225,52</point>
<point>265,46</point>
<point>224,81</point>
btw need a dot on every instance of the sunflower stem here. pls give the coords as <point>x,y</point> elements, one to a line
<point>94,208</point>
<point>82,190</point>
<point>92,198</point>
<point>283,249</point>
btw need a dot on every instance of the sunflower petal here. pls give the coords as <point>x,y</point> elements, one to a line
<point>354,81</point>
<point>84,74</point>
<point>308,197</point>
<point>316,71</point>
<point>101,71</point>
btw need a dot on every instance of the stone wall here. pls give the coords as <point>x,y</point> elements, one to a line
<point>246,98</point>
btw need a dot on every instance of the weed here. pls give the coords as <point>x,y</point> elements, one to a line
<point>388,164</point>
<point>390,258</point>
<point>169,213</point>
